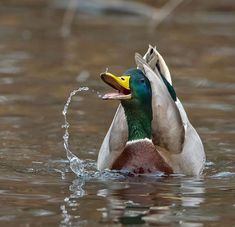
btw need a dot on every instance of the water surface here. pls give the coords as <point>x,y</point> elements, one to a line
<point>38,70</point>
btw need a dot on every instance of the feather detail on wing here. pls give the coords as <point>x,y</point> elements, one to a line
<point>167,126</point>
<point>114,141</point>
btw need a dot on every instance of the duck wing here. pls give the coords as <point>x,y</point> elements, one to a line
<point>114,141</point>
<point>167,125</point>
<point>173,134</point>
<point>156,62</point>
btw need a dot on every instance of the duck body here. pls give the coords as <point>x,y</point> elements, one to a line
<point>167,140</point>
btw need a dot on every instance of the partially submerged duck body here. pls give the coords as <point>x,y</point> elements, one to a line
<point>140,157</point>
<point>149,113</point>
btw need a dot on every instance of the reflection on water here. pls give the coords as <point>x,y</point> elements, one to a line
<point>140,200</point>
<point>71,203</point>
<point>38,70</point>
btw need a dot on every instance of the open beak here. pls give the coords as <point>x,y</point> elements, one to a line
<point>119,83</point>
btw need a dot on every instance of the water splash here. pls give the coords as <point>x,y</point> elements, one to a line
<point>83,168</point>
<point>76,164</point>
<point>223,174</point>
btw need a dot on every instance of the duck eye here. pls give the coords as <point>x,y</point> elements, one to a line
<point>122,78</point>
<point>142,80</point>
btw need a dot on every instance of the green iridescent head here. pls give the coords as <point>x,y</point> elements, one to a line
<point>133,86</point>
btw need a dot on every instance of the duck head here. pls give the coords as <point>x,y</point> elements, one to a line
<point>132,87</point>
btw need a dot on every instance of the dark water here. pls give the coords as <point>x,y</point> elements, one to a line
<point>38,70</point>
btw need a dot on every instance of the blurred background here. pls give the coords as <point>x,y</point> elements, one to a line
<point>49,48</point>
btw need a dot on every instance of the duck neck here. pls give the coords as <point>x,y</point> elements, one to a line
<point>139,119</point>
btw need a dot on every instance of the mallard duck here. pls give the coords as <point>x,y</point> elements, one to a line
<point>150,131</point>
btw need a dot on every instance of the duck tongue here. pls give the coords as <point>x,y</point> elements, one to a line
<point>116,95</point>
<point>111,95</point>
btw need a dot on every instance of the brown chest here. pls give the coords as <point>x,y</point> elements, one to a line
<point>141,157</point>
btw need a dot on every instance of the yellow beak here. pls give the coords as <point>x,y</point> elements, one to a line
<point>123,81</point>
<point>120,83</point>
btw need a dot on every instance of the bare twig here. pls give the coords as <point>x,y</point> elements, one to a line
<point>68,18</point>
<point>164,12</point>
<point>157,16</point>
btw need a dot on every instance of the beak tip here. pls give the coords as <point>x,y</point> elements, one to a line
<point>102,76</point>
